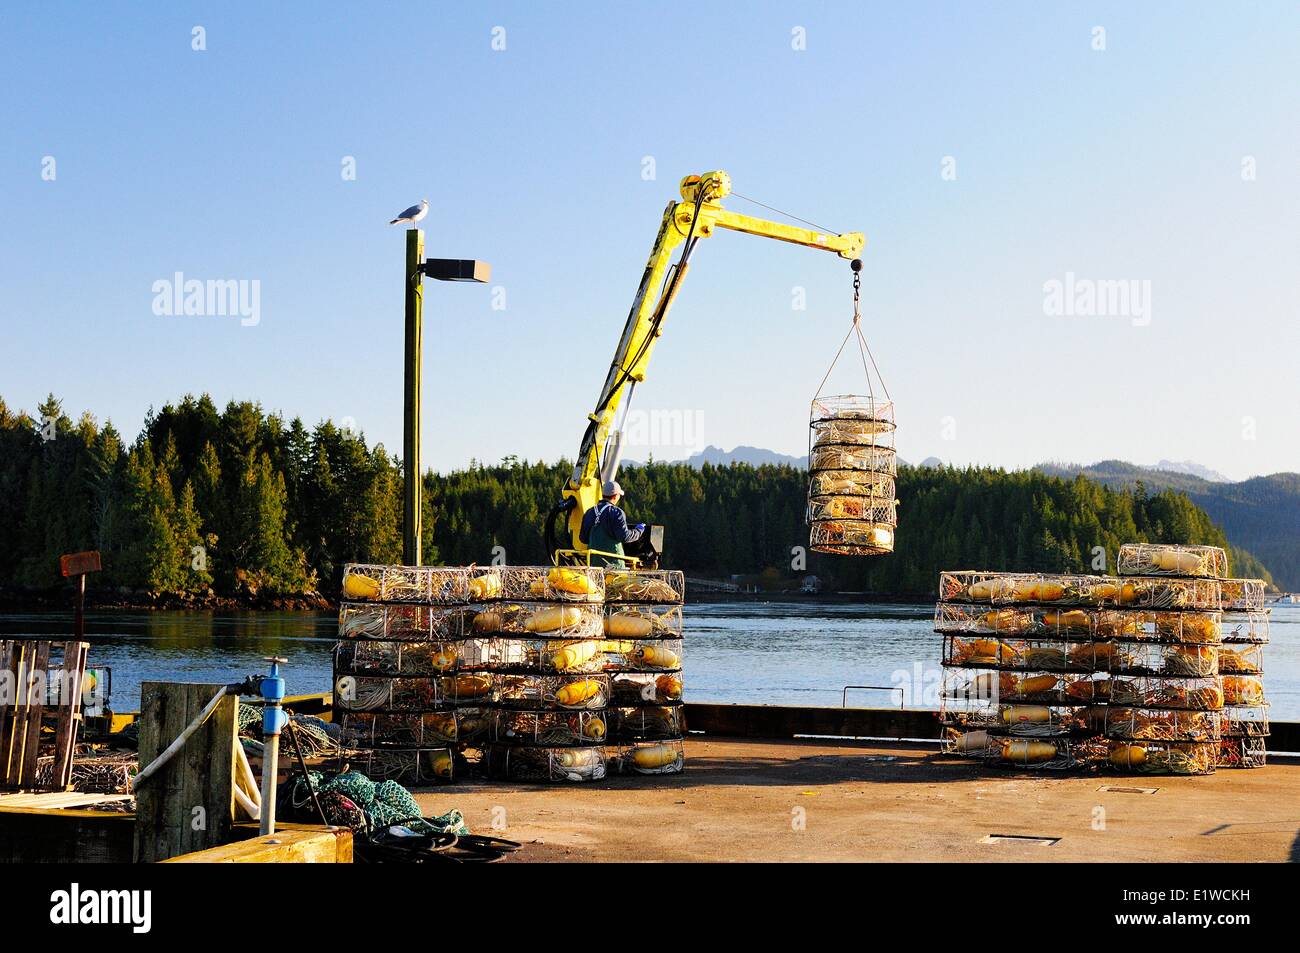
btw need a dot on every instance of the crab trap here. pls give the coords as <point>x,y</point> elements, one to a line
<point>1195,694</point>
<point>1241,659</point>
<point>552,691</point>
<point>1167,559</point>
<point>1241,753</point>
<point>522,763</point>
<point>1160,724</point>
<point>647,723</point>
<point>547,656</point>
<point>409,658</point>
<point>851,538</point>
<point>643,655</point>
<point>1163,757</point>
<point>1246,721</point>
<point>1246,627</point>
<point>368,729</point>
<point>364,693</point>
<point>548,728</point>
<point>1037,589</point>
<point>851,470</point>
<point>579,621</point>
<point>1033,754</point>
<point>858,459</point>
<point>657,757</point>
<point>421,584</point>
<point>647,621</point>
<point>862,484</point>
<point>630,689</point>
<point>538,583</point>
<point>1243,595</point>
<point>1184,661</point>
<point>645,585</point>
<point>401,622</point>
<point>1242,690</point>
<point>1020,720</point>
<point>407,766</point>
<point>985,687</point>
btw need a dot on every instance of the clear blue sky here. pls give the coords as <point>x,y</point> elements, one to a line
<point>1117,164</point>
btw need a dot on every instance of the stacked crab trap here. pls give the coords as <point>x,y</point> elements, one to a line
<point>643,659</point>
<point>1066,671</point>
<point>507,671</point>
<point>1241,665</point>
<point>851,470</point>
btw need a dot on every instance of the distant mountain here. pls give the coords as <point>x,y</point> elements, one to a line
<point>932,462</point>
<point>1192,469</point>
<point>755,457</point>
<point>1261,515</point>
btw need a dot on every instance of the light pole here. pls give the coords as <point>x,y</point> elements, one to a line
<point>440,269</point>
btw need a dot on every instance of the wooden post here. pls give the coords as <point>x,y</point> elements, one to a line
<point>411,554</point>
<point>187,805</point>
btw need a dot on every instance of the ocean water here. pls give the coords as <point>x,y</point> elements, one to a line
<point>795,652</point>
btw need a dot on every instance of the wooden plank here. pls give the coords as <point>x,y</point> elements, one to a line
<point>187,805</point>
<point>8,679</point>
<point>319,845</point>
<point>50,800</point>
<point>35,689</point>
<point>69,711</point>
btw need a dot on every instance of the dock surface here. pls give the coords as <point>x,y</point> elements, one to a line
<point>746,800</point>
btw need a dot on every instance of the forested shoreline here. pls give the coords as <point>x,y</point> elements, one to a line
<point>238,506</point>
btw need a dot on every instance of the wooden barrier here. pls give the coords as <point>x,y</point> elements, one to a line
<point>188,804</point>
<point>25,666</point>
<point>37,836</point>
<point>778,721</point>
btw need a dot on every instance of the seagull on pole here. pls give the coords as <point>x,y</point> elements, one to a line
<point>413,214</point>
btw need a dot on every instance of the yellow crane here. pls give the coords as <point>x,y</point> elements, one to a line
<point>685,222</point>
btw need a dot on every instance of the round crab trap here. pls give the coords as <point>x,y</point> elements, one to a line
<point>851,459</point>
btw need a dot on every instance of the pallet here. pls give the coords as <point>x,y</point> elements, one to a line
<point>24,664</point>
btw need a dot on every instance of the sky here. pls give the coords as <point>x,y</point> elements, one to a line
<point>1004,161</point>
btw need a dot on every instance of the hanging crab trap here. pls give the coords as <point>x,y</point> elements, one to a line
<point>851,468</point>
<point>851,458</point>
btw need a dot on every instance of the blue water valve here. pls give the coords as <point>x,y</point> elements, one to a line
<point>272,686</point>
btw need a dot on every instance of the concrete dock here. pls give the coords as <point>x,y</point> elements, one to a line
<point>811,800</point>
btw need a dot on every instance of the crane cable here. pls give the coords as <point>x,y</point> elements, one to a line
<point>864,350</point>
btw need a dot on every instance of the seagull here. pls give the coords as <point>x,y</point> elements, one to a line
<point>413,214</point>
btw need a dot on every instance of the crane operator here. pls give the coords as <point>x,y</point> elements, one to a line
<point>605,529</point>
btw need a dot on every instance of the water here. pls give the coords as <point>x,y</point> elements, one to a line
<point>778,653</point>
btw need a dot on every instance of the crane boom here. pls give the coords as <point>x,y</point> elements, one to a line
<point>695,216</point>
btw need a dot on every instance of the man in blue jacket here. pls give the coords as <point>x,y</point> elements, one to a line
<point>604,526</point>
